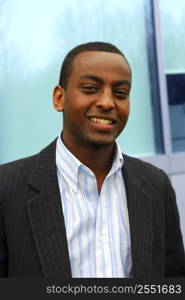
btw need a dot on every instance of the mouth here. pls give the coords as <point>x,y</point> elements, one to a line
<point>99,120</point>
<point>102,123</point>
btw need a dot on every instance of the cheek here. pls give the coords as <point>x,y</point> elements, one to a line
<point>73,114</point>
<point>74,103</point>
<point>124,110</point>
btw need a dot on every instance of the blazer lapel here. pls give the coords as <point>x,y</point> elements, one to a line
<point>140,218</point>
<point>46,217</point>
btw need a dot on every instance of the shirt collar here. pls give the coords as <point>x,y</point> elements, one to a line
<point>69,166</point>
<point>118,160</point>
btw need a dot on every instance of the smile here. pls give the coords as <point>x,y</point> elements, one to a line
<point>101,121</point>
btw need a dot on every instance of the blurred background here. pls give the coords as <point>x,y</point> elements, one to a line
<point>36,35</point>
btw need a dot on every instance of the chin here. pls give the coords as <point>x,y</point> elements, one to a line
<point>100,142</point>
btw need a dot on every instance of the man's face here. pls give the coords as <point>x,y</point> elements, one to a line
<point>96,99</point>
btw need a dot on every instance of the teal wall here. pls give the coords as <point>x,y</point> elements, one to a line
<point>35,36</point>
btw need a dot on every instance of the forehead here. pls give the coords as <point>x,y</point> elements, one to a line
<point>100,63</point>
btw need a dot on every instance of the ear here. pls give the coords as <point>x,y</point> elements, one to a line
<point>58,98</point>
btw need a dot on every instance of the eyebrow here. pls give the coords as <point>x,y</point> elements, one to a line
<point>99,80</point>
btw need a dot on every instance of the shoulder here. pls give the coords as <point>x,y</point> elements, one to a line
<point>16,171</point>
<point>141,165</point>
<point>26,165</point>
<point>12,165</point>
<point>140,168</point>
<point>18,164</point>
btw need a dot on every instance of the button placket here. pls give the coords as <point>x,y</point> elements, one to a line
<point>102,240</point>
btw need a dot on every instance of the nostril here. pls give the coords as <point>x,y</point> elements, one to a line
<point>105,104</point>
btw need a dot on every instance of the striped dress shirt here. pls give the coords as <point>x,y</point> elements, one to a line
<point>97,225</point>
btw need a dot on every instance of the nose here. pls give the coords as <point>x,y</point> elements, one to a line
<point>105,101</point>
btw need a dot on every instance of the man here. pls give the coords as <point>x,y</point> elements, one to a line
<point>80,208</point>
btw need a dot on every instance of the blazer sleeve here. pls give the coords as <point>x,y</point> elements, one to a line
<point>175,255</point>
<point>3,249</point>
<point>3,244</point>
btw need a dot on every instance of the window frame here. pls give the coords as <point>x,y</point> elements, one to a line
<point>170,162</point>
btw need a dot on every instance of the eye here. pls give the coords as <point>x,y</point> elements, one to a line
<point>122,94</point>
<point>89,89</point>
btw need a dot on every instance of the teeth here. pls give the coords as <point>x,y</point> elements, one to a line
<point>101,121</point>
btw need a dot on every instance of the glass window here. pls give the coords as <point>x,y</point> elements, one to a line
<point>173,30</point>
<point>36,35</point>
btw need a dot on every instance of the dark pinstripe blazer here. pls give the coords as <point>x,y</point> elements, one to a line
<point>32,232</point>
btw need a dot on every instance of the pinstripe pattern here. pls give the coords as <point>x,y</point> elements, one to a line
<point>97,226</point>
<point>33,241</point>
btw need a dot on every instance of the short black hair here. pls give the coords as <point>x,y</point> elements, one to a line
<point>91,46</point>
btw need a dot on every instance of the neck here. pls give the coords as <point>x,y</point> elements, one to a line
<point>97,158</point>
